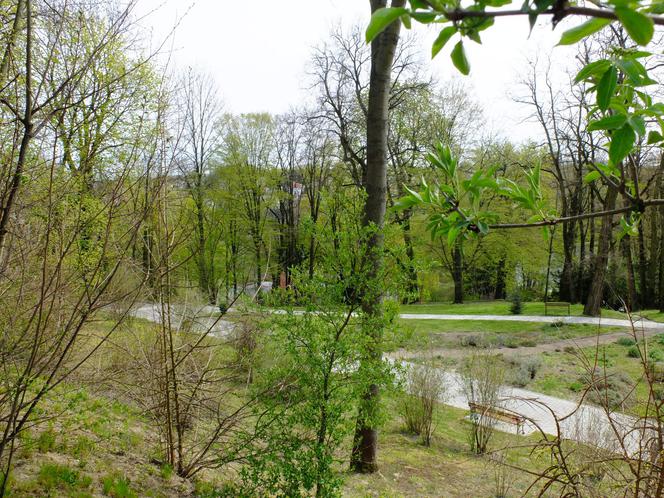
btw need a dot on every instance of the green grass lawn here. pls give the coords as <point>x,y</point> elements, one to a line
<point>500,307</point>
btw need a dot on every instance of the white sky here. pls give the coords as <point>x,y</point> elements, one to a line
<point>258,50</point>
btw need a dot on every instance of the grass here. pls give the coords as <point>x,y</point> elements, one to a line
<point>500,307</point>
<point>420,335</point>
<point>446,468</point>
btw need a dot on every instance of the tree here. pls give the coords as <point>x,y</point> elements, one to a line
<point>201,140</point>
<point>249,149</point>
<point>383,50</point>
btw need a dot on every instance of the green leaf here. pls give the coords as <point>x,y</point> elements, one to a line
<point>612,122</point>
<point>654,137</point>
<point>578,33</point>
<point>452,235</point>
<point>639,26</point>
<point>638,124</point>
<point>459,58</point>
<point>606,87</point>
<point>592,176</point>
<point>381,19</point>
<point>405,19</point>
<point>634,70</point>
<point>592,69</point>
<point>423,17</point>
<point>622,142</point>
<point>442,39</point>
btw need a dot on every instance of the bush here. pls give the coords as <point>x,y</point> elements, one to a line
<point>525,371</point>
<point>425,387</point>
<point>626,341</point>
<point>657,370</point>
<point>634,352</point>
<point>656,355</point>
<point>482,376</point>
<point>516,308</point>
<point>610,388</point>
<point>473,341</point>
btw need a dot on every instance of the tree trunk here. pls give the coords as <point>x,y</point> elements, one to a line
<point>596,294</point>
<point>632,300</point>
<point>567,291</point>
<point>457,273</point>
<point>413,289</point>
<point>383,48</point>
<point>500,291</point>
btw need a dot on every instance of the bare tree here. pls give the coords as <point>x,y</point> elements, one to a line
<point>202,139</point>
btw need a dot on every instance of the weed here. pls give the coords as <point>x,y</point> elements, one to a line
<point>117,486</point>
<point>166,471</point>
<point>46,440</point>
<point>53,476</point>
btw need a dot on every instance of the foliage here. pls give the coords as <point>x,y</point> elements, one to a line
<point>312,406</point>
<point>516,306</point>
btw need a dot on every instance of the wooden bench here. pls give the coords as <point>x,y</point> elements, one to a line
<point>498,414</point>
<point>556,304</point>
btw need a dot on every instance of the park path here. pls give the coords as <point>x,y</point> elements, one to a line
<point>555,416</point>
<point>201,319</point>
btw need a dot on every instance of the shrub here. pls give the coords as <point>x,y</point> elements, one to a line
<point>525,371</point>
<point>516,306</point>
<point>658,393</point>
<point>657,370</point>
<point>473,341</point>
<point>634,352</point>
<point>626,341</point>
<point>656,355</point>
<point>610,388</point>
<point>425,387</point>
<point>482,376</point>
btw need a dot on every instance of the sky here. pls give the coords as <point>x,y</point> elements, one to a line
<point>258,51</point>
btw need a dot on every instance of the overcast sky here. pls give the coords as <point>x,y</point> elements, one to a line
<point>257,51</point>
